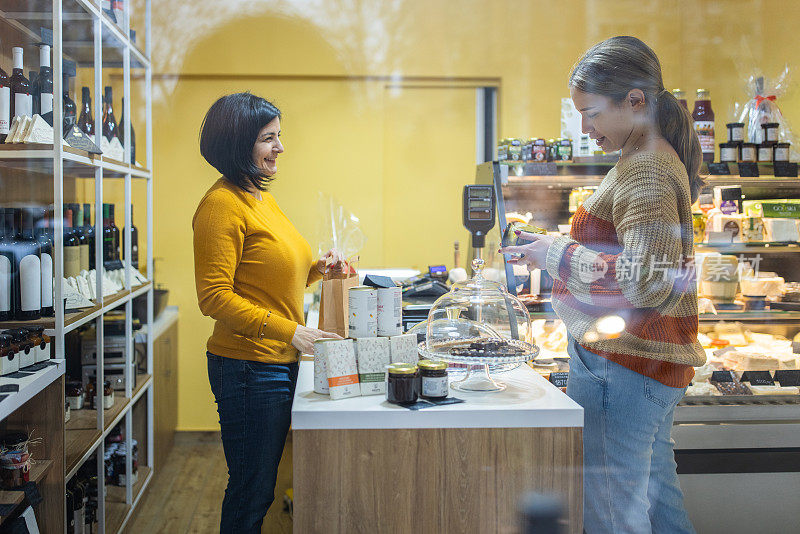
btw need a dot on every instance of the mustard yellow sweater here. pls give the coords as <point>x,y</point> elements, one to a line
<point>251,269</point>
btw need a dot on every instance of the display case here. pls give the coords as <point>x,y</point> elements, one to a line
<point>89,199</point>
<point>722,441</point>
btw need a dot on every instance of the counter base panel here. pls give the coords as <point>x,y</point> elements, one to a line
<point>431,480</point>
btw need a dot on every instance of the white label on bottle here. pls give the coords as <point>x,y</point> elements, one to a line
<point>705,131</point>
<point>47,281</point>
<point>434,387</point>
<point>23,105</point>
<point>30,283</point>
<point>47,103</point>
<point>5,109</point>
<point>5,284</point>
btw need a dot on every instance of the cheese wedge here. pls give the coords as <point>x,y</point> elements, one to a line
<point>39,132</point>
<point>13,130</point>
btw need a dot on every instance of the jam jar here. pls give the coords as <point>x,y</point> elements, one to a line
<point>108,395</point>
<point>75,395</point>
<point>765,152</point>
<point>770,131</point>
<point>729,152</point>
<point>401,383</point>
<point>781,152</point>
<point>433,380</point>
<point>735,132</point>
<point>748,153</point>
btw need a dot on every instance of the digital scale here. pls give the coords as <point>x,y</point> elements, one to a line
<point>479,207</point>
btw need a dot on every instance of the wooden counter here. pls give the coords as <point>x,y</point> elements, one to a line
<point>364,465</point>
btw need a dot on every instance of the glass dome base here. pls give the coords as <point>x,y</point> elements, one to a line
<point>478,381</point>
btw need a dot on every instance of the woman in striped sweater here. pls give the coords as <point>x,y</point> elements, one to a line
<point>624,285</point>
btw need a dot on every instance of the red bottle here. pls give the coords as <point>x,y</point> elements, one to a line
<point>703,117</point>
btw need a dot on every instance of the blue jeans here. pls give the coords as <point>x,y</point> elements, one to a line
<point>254,402</point>
<point>630,482</point>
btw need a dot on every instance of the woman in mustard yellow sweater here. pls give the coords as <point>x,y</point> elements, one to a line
<point>251,269</point>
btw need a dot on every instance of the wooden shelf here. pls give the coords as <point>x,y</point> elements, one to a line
<point>117,511</point>
<point>82,435</point>
<point>38,471</point>
<point>38,158</point>
<point>76,319</point>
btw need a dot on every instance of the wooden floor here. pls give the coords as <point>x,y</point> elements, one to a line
<point>186,493</point>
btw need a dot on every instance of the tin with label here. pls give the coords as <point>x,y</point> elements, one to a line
<point>363,305</point>
<point>320,369</point>
<point>390,311</point>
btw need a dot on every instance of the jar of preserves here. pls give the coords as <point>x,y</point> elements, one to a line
<point>770,131</point>
<point>433,380</point>
<point>735,132</point>
<point>781,152</point>
<point>75,395</point>
<point>729,152</point>
<point>765,150</point>
<point>539,150</point>
<point>748,153</point>
<point>565,150</point>
<point>401,383</point>
<point>703,117</point>
<point>108,395</point>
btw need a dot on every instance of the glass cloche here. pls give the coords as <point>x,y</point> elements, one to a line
<point>479,323</point>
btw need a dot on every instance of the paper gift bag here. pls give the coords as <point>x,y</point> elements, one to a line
<point>333,306</point>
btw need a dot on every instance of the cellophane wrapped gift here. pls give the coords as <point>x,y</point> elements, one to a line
<point>763,107</point>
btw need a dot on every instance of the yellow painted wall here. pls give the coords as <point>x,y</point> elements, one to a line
<point>353,139</point>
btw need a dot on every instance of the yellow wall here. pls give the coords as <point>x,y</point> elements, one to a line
<point>397,157</point>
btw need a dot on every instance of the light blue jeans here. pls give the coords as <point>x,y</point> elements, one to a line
<point>630,482</point>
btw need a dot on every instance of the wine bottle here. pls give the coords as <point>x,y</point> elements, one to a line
<point>46,256</point>
<point>45,80</point>
<point>27,269</point>
<point>121,130</point>
<point>83,243</point>
<point>134,244</point>
<point>109,122</point>
<point>33,78</point>
<point>86,121</point>
<point>21,101</point>
<point>70,109</point>
<point>115,230</point>
<point>108,237</point>
<point>72,251</point>
<point>6,263</point>
<point>5,105</point>
<point>88,230</point>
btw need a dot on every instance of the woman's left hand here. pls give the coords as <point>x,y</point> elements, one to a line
<point>534,254</point>
<point>332,261</point>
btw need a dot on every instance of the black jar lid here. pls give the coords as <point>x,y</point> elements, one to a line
<point>735,125</point>
<point>749,145</point>
<point>770,125</point>
<point>782,145</point>
<point>729,144</point>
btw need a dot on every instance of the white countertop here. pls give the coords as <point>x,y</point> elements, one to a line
<point>529,401</point>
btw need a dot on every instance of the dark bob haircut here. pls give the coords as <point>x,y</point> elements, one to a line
<point>228,134</point>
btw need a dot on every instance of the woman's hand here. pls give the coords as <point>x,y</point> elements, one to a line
<point>304,338</point>
<point>332,261</point>
<point>533,255</point>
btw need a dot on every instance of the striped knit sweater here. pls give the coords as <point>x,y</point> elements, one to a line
<point>630,254</point>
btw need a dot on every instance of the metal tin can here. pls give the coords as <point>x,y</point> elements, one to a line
<point>390,311</point>
<point>363,305</point>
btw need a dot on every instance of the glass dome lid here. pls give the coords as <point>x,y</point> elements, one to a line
<point>478,321</point>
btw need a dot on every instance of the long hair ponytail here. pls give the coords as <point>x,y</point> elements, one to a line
<point>615,66</point>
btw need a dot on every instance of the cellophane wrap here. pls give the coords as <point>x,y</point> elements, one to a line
<point>763,106</point>
<point>339,228</point>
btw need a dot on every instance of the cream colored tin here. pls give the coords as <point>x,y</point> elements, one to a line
<point>363,310</point>
<point>390,311</point>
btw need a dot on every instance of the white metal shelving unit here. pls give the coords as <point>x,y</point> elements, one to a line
<point>83,33</point>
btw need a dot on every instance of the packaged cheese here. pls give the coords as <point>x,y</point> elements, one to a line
<point>404,348</point>
<point>373,355</point>
<point>748,361</point>
<point>340,363</point>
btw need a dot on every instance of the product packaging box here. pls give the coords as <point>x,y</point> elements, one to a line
<point>404,348</point>
<point>373,355</point>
